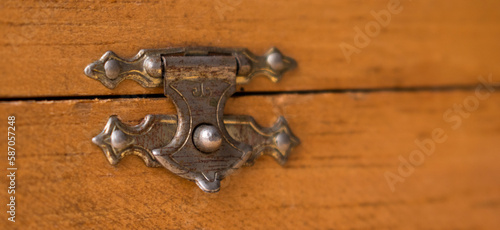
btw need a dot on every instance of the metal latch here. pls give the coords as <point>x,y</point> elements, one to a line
<point>200,143</point>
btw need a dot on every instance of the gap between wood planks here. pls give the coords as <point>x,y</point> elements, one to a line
<point>258,93</point>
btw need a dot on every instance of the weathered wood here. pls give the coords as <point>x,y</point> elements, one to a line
<point>45,45</point>
<point>334,179</point>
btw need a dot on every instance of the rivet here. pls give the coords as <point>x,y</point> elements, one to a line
<point>118,139</point>
<point>153,66</point>
<point>282,141</point>
<point>112,68</point>
<point>275,60</point>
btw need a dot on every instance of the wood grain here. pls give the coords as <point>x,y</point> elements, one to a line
<point>333,180</point>
<point>45,45</point>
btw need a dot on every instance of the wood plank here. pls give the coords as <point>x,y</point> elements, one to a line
<point>46,44</point>
<point>334,179</point>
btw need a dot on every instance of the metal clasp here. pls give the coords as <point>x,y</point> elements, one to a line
<point>199,143</point>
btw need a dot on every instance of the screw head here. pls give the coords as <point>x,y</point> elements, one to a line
<point>275,60</point>
<point>112,68</point>
<point>207,138</point>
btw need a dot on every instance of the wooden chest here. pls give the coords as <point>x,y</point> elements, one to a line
<point>395,102</point>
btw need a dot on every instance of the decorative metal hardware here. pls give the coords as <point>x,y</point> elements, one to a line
<point>200,143</point>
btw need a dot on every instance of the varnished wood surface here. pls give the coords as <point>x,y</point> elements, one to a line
<point>333,180</point>
<point>45,45</point>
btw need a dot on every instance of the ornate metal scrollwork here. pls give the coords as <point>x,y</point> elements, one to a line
<point>199,143</point>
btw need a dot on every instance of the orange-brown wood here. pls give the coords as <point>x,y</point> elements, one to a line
<point>352,141</point>
<point>333,180</point>
<point>45,45</point>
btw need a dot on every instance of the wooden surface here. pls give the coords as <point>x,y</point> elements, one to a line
<point>357,120</point>
<point>45,45</point>
<point>333,180</point>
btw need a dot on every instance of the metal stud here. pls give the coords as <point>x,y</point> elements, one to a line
<point>275,60</point>
<point>118,139</point>
<point>112,68</point>
<point>207,138</point>
<point>282,141</point>
<point>153,66</point>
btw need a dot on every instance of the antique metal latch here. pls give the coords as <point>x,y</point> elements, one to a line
<point>199,143</point>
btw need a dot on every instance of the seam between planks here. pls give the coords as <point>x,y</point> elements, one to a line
<point>256,93</point>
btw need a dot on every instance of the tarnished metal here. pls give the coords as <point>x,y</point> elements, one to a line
<point>207,138</point>
<point>145,67</point>
<point>156,131</point>
<point>200,143</point>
